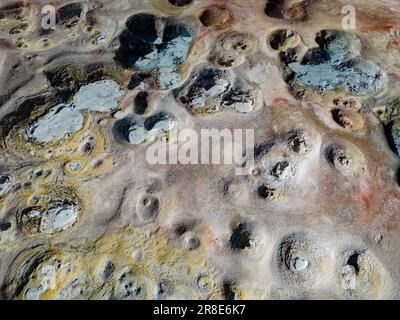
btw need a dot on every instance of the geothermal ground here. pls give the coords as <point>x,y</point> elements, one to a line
<point>88,87</point>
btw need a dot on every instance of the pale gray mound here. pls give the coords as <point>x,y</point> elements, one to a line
<point>56,219</point>
<point>137,134</point>
<point>58,122</point>
<point>59,218</point>
<point>100,96</point>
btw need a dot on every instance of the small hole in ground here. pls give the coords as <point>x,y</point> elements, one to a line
<point>240,237</point>
<point>266,192</point>
<point>141,102</point>
<point>228,291</point>
<point>274,9</point>
<point>353,261</point>
<point>5,226</point>
<point>180,3</point>
<point>214,17</point>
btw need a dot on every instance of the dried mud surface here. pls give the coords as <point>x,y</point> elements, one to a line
<point>318,216</point>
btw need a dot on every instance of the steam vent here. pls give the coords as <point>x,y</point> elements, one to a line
<point>111,189</point>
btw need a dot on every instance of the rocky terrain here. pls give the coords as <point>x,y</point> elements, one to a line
<point>84,215</point>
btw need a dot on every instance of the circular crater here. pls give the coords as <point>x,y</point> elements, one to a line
<point>130,131</point>
<point>205,284</point>
<point>286,9</point>
<point>143,25</point>
<point>21,269</point>
<point>13,10</point>
<point>247,237</point>
<point>153,127</point>
<point>231,49</point>
<point>210,90</point>
<point>190,240</point>
<point>69,15</point>
<point>336,156</point>
<point>215,17</point>
<point>297,142</point>
<point>141,103</point>
<point>57,217</point>
<point>241,237</point>
<point>347,103</point>
<point>147,208</point>
<point>361,275</point>
<point>229,290</point>
<point>162,121</point>
<point>283,39</point>
<point>345,158</point>
<point>266,192</point>
<point>299,260</point>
